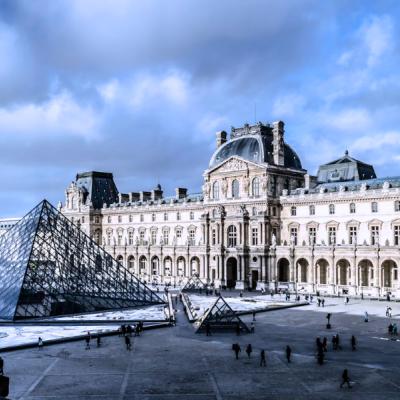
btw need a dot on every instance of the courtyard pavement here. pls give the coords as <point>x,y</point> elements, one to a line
<point>175,363</point>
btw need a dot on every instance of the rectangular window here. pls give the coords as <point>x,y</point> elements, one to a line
<point>213,237</point>
<point>130,237</point>
<point>153,237</point>
<point>352,235</point>
<point>293,211</point>
<point>166,237</point>
<point>178,233</point>
<point>293,236</point>
<point>119,238</point>
<point>192,237</point>
<point>374,207</point>
<point>312,235</point>
<point>397,235</point>
<point>141,237</point>
<point>374,235</point>
<point>312,210</point>
<point>332,235</point>
<point>254,236</point>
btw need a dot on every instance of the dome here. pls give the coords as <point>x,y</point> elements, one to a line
<point>255,148</point>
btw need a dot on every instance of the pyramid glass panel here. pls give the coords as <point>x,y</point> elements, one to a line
<point>49,267</point>
<point>194,284</point>
<point>221,316</point>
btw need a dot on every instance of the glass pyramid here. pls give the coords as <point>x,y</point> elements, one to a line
<point>194,284</point>
<point>220,316</point>
<point>49,267</point>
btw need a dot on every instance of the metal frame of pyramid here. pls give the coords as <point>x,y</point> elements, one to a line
<point>49,267</point>
<point>194,284</point>
<point>220,316</point>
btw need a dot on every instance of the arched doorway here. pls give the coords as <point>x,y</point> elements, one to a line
<point>120,259</point>
<point>180,262</point>
<point>343,269</point>
<point>131,263</point>
<point>365,268</point>
<point>302,270</point>
<point>283,270</point>
<point>387,269</point>
<point>195,266</point>
<point>142,265</point>
<point>155,263</point>
<point>231,272</point>
<point>322,271</point>
<point>167,266</point>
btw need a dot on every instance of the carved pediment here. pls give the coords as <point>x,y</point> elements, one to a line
<point>235,163</point>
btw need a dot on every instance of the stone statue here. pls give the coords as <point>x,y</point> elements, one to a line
<point>264,183</point>
<point>224,186</point>
<point>273,240</point>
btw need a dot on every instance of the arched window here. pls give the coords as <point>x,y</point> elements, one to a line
<point>235,189</point>
<point>142,264</point>
<point>352,208</point>
<point>331,209</point>
<point>130,237</point>
<point>255,187</point>
<point>131,262</point>
<point>215,190</point>
<point>232,236</point>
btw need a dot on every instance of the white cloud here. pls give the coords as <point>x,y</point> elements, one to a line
<point>350,120</point>
<point>146,89</point>
<point>288,105</point>
<point>59,116</point>
<point>376,141</point>
<point>377,34</point>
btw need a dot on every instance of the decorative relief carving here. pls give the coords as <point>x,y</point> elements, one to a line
<point>234,165</point>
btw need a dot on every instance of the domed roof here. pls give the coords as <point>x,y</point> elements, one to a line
<point>255,148</point>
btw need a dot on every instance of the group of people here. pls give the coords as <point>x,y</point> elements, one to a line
<point>125,330</point>
<point>392,329</point>
<point>263,358</point>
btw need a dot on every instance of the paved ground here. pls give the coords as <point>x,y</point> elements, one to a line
<point>174,363</point>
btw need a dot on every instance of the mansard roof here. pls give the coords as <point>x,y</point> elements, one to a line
<point>344,169</point>
<point>254,143</point>
<point>98,188</point>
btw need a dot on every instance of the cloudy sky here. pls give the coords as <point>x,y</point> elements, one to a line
<point>139,88</point>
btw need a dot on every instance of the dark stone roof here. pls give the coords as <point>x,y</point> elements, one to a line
<point>257,148</point>
<point>345,169</point>
<point>98,187</point>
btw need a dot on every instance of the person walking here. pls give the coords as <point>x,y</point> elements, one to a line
<point>395,329</point>
<point>263,362</point>
<point>323,302</point>
<point>387,311</point>
<point>325,344</point>
<point>366,318</point>
<point>254,315</point>
<point>249,350</point>
<point>320,356</point>
<point>345,378</point>
<point>353,343</point>
<point>40,343</point>
<point>128,342</point>
<point>87,340</point>
<point>288,353</point>
<point>236,348</point>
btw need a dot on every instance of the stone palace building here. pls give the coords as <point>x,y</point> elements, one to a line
<point>261,221</point>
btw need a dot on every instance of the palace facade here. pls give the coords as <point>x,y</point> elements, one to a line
<point>261,221</point>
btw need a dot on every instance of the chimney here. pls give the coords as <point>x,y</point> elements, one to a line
<point>278,131</point>
<point>180,193</point>
<point>157,193</point>
<point>221,138</point>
